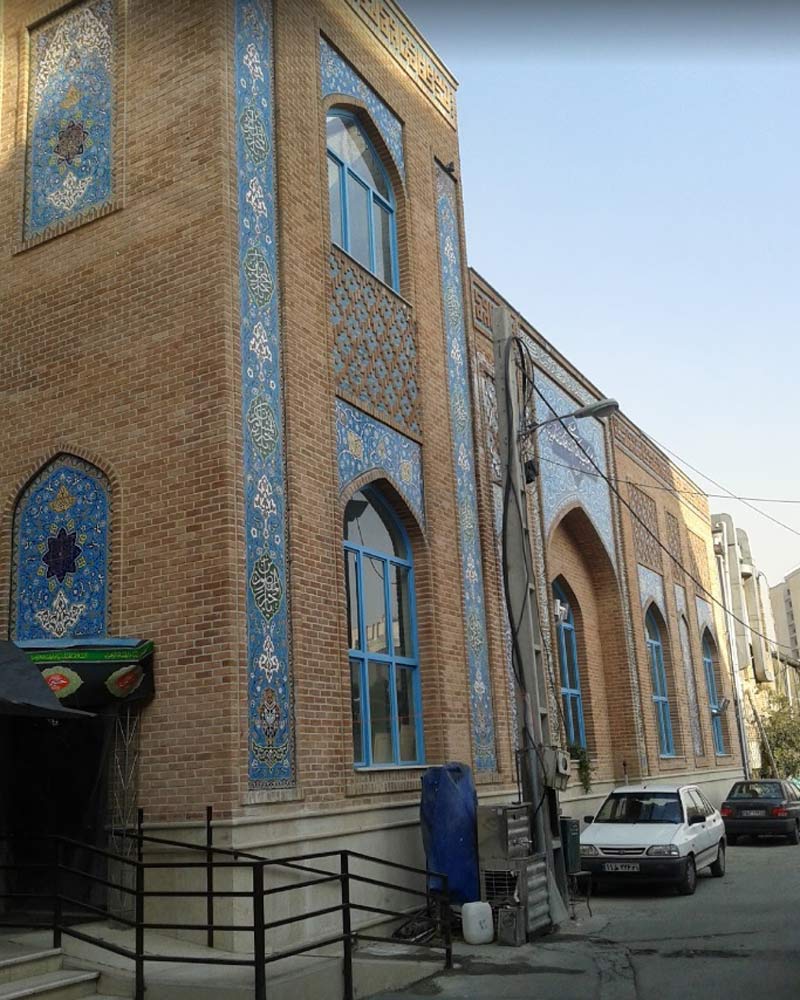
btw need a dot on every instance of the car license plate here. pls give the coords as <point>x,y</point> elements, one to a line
<point>619,867</point>
<point>752,812</point>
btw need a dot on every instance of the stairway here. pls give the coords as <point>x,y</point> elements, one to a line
<point>42,974</point>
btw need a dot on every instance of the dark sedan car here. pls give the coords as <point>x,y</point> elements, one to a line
<point>768,807</point>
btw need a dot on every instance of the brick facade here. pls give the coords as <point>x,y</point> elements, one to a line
<point>121,346</point>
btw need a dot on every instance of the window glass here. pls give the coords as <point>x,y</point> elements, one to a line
<point>756,790</point>
<point>383,243</point>
<point>335,201</point>
<point>370,526</point>
<point>694,806</point>
<point>380,713</point>
<point>358,202</point>
<point>373,590</point>
<point>401,617</point>
<point>356,705</point>
<point>351,586</point>
<point>406,714</point>
<point>641,807</point>
<point>709,809</point>
<point>349,143</point>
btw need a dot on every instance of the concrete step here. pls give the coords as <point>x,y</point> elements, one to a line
<point>29,964</point>
<point>60,985</point>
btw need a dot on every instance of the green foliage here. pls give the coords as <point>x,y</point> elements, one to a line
<point>579,754</point>
<point>782,727</point>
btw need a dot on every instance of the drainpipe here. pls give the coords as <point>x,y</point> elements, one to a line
<point>723,526</point>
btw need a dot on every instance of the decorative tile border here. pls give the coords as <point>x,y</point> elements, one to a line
<point>705,618</point>
<point>271,733</point>
<point>363,444</point>
<point>339,77</point>
<point>73,159</point>
<point>483,736</point>
<point>688,670</point>
<point>651,588</point>
<point>567,477</point>
<point>59,586</point>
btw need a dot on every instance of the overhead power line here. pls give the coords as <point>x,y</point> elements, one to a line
<point>640,520</point>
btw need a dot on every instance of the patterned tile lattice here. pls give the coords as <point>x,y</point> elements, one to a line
<point>674,546</point>
<point>71,91</point>
<point>482,308</point>
<point>339,77</point>
<point>271,736</point>
<point>482,718</point>
<point>645,525</point>
<point>698,560</point>
<point>365,445</point>
<point>567,475</point>
<point>59,583</point>
<point>374,350</point>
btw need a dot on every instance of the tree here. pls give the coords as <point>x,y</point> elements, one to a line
<point>782,728</point>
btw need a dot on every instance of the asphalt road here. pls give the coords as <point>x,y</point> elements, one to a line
<point>737,938</point>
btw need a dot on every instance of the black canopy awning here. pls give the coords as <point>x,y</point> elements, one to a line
<point>24,691</point>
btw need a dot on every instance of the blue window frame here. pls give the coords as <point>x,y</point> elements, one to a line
<point>570,674</point>
<point>361,199</point>
<point>713,696</point>
<point>655,649</point>
<point>382,636</point>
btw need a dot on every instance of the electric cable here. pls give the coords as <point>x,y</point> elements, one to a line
<point>562,420</point>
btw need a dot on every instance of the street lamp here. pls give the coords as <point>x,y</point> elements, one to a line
<point>600,408</point>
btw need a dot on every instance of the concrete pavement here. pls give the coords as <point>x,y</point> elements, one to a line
<point>737,938</point>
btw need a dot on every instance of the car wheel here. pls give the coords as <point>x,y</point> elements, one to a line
<point>688,883</point>
<point>718,867</point>
<point>794,836</point>
<point>732,839</point>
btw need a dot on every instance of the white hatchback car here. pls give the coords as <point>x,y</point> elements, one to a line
<point>655,833</point>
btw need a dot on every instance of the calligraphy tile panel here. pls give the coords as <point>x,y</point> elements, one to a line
<point>365,445</point>
<point>61,554</point>
<point>69,173</point>
<point>482,718</point>
<point>374,345</point>
<point>271,733</point>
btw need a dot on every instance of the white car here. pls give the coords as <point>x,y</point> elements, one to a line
<point>655,833</point>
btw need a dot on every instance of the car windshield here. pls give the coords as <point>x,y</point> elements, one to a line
<point>756,790</point>
<point>641,807</point>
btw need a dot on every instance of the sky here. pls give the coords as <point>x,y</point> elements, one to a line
<point>630,175</point>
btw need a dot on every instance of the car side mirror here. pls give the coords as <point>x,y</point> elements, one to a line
<point>694,820</point>
<point>588,819</point>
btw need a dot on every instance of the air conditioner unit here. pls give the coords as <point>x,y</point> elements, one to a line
<point>517,891</point>
<point>504,831</point>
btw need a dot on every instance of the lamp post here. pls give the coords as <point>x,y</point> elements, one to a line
<point>522,606</point>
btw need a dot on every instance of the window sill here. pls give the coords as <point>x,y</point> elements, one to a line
<point>378,768</point>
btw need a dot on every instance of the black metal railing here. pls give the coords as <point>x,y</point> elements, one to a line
<point>322,868</point>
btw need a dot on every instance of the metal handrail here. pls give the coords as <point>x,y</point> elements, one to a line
<point>258,892</point>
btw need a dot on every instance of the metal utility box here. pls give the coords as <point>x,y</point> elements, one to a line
<point>504,832</point>
<point>571,844</point>
<point>517,890</point>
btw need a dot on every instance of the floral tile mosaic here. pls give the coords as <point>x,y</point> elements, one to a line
<point>567,476</point>
<point>271,736</point>
<point>365,445</point>
<point>481,713</point>
<point>688,671</point>
<point>705,617</point>
<point>70,105</point>
<point>61,551</point>
<point>374,349</point>
<point>339,77</point>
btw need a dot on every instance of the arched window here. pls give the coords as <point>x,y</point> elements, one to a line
<point>361,199</point>
<point>384,667</point>
<point>713,695</point>
<point>655,649</point>
<point>570,672</point>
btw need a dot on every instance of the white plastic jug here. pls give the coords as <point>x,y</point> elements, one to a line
<point>476,923</point>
